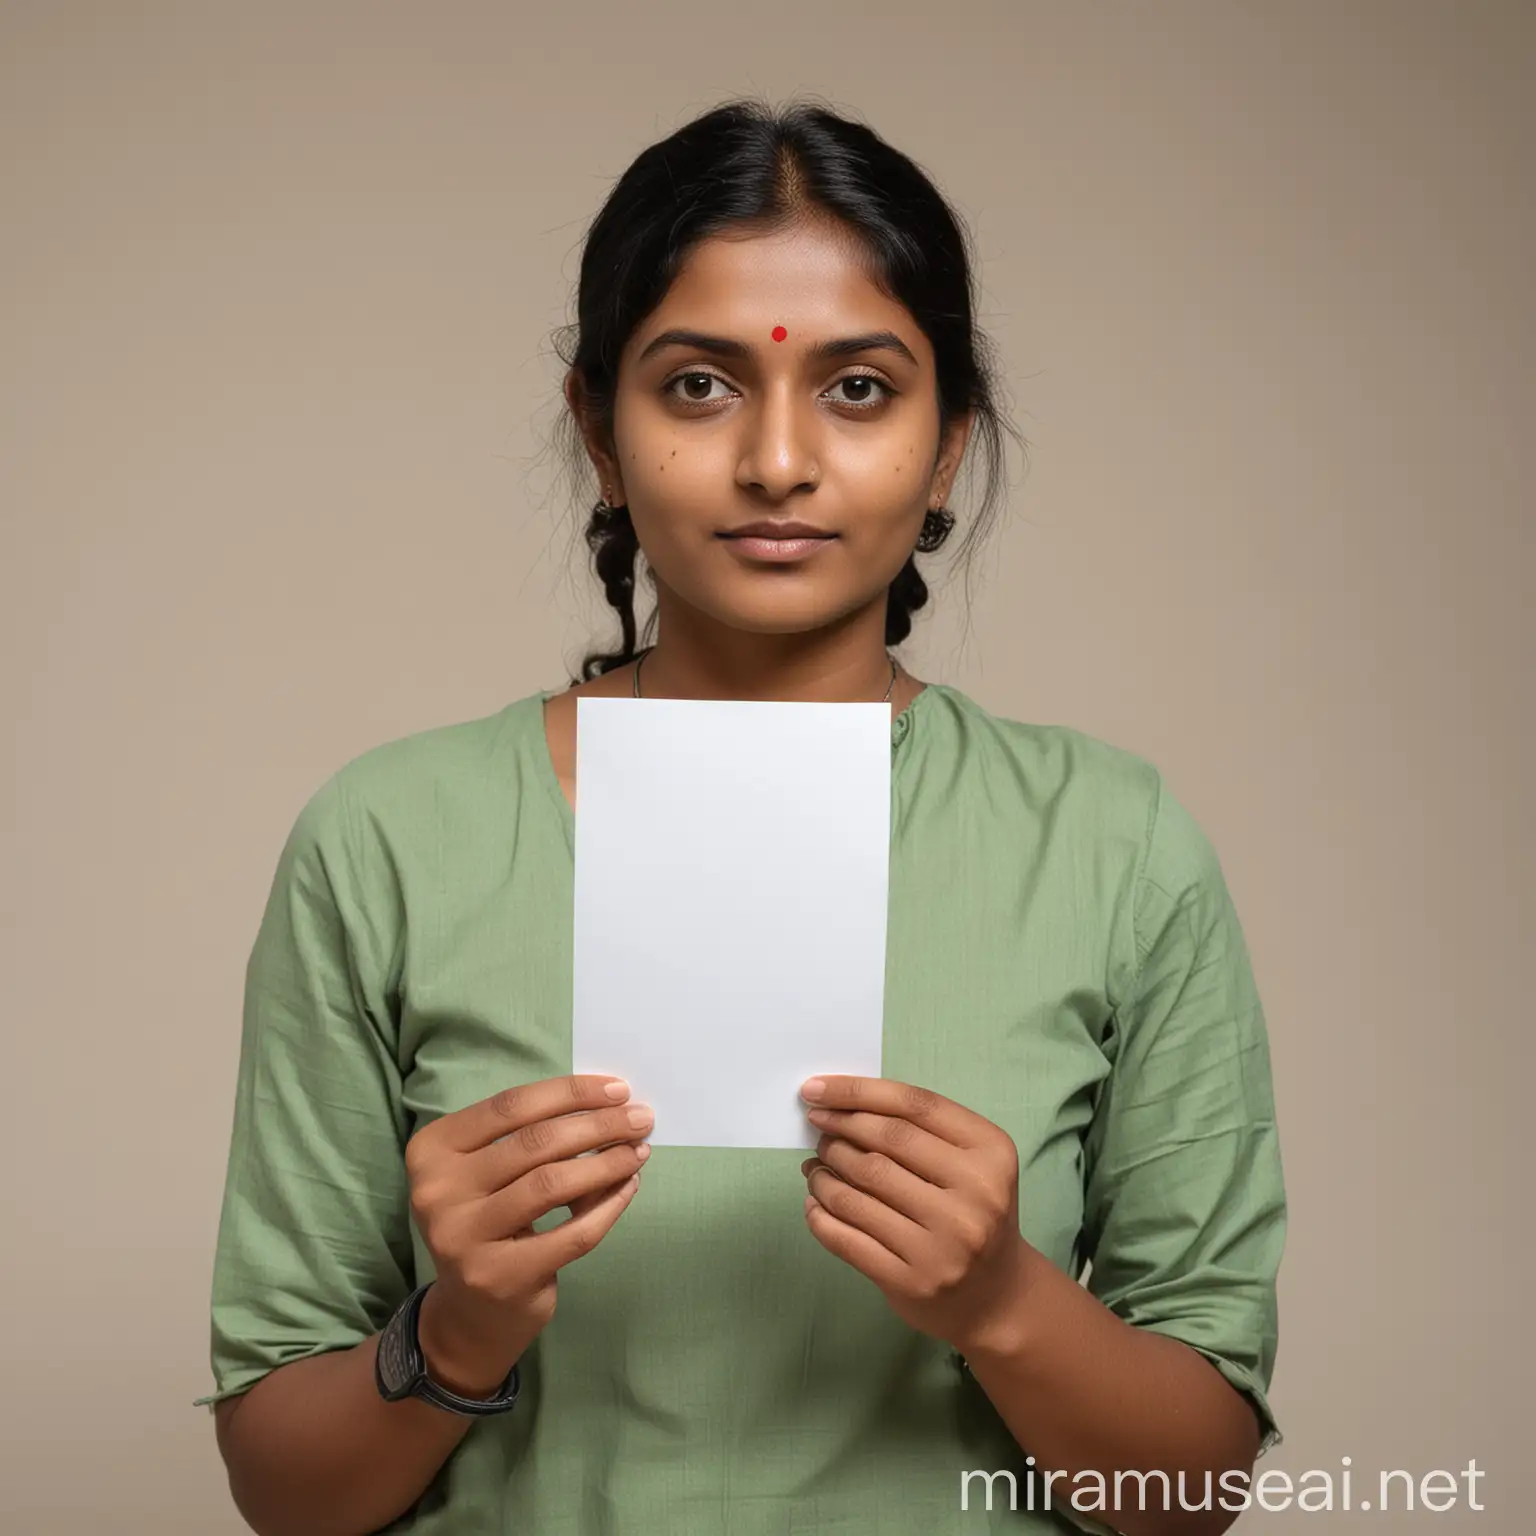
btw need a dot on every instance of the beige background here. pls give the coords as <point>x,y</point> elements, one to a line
<point>278,287</point>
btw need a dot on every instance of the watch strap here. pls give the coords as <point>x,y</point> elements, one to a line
<point>399,1360</point>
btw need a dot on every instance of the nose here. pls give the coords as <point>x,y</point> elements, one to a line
<point>779,447</point>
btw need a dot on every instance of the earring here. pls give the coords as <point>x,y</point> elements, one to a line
<point>937,525</point>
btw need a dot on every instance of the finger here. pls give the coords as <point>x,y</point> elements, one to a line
<point>547,1188</point>
<point>551,1141</point>
<point>940,1117</point>
<point>940,1163</point>
<point>479,1125</point>
<point>896,1232</point>
<point>551,1250</point>
<point>584,1203</point>
<point>885,1179</point>
<point>865,1253</point>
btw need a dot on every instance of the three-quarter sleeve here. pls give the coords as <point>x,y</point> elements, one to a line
<point>1185,1209</point>
<point>314,1244</point>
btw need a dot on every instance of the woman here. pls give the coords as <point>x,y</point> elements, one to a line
<point>775,327</point>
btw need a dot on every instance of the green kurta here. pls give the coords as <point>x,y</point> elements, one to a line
<point>1063,958</point>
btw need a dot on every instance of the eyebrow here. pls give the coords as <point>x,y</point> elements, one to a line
<point>823,351</point>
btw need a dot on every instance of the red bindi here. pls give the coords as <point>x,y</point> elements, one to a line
<point>779,333</point>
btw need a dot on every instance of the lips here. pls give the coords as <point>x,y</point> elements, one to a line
<point>771,530</point>
<point>779,550</point>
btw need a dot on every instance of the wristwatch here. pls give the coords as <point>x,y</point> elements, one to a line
<point>400,1368</point>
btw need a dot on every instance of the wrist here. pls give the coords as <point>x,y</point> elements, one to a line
<point>1003,1333</point>
<point>455,1359</point>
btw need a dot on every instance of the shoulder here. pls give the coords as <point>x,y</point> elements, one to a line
<point>1059,770</point>
<point>396,781</point>
<point>386,814</point>
<point>436,754</point>
<point>1112,808</point>
<point>407,781</point>
<point>1120,788</point>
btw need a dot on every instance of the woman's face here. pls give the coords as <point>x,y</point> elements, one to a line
<point>712,434</point>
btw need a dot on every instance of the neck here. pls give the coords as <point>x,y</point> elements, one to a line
<point>873,680</point>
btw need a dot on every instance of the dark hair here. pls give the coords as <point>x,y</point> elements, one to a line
<point>746,163</point>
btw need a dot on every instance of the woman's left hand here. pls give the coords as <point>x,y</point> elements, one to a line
<point>921,1195</point>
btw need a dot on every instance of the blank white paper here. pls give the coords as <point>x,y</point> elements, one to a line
<point>731,896</point>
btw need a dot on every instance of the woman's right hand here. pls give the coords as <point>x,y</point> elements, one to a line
<point>480,1177</point>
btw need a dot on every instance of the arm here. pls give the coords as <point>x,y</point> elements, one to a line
<point>1162,1363</point>
<point>313,1450</point>
<point>1084,1392</point>
<point>325,1194</point>
<point>314,1245</point>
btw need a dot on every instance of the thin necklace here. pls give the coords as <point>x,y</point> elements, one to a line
<point>886,700</point>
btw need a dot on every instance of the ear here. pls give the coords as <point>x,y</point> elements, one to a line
<point>951,453</point>
<point>608,476</point>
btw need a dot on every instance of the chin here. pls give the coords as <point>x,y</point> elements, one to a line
<point>786,613</point>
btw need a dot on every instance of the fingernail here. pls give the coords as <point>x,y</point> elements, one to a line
<point>618,1090</point>
<point>640,1115</point>
<point>813,1088</point>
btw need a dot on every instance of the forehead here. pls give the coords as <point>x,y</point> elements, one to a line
<point>811,279</point>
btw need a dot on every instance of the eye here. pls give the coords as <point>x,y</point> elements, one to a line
<point>862,400</point>
<point>860,382</point>
<point>693,376</point>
